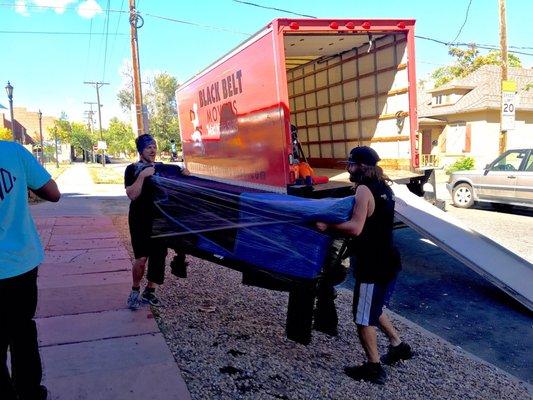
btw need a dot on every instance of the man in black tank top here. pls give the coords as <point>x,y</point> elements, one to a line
<point>378,262</point>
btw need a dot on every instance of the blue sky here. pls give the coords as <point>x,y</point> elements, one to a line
<point>48,70</point>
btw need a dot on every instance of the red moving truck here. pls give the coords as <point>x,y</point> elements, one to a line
<point>341,82</point>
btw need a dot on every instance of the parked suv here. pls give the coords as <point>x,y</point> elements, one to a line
<point>506,180</point>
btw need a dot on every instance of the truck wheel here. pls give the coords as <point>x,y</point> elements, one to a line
<point>463,196</point>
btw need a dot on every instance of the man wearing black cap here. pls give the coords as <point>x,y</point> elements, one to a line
<point>140,224</point>
<point>378,262</point>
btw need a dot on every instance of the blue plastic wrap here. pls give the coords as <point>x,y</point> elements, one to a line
<point>271,232</point>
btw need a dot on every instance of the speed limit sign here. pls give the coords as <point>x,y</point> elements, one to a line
<point>509,100</point>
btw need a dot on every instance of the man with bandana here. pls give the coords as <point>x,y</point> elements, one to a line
<point>375,262</point>
<point>140,224</point>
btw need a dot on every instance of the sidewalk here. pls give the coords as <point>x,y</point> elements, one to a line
<point>92,346</point>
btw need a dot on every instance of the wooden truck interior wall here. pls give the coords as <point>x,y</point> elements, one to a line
<point>341,94</point>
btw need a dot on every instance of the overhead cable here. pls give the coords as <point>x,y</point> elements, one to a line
<point>464,23</point>
<point>272,8</point>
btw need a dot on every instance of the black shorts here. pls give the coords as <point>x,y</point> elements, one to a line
<point>140,229</point>
<point>369,299</point>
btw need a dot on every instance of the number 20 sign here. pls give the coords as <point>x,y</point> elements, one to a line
<point>508,105</point>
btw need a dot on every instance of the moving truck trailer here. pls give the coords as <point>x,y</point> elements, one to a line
<point>341,82</point>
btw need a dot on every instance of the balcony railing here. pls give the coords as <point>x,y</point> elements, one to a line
<point>430,160</point>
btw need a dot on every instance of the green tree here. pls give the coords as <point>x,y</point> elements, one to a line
<point>61,130</point>
<point>467,61</point>
<point>5,134</point>
<point>125,98</point>
<point>120,137</point>
<point>162,111</point>
<point>160,101</point>
<point>81,136</point>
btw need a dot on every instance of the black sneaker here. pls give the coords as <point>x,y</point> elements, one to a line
<point>150,298</point>
<point>397,353</point>
<point>370,372</point>
<point>44,393</point>
<point>178,266</point>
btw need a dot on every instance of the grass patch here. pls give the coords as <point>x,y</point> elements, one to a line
<point>56,171</point>
<point>106,175</point>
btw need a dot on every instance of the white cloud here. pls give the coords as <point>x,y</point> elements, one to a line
<point>20,7</point>
<point>59,6</point>
<point>89,8</point>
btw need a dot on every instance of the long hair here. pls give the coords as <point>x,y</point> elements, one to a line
<point>375,173</point>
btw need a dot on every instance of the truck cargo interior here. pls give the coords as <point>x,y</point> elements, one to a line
<point>347,90</point>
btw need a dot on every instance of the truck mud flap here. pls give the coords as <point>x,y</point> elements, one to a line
<point>501,267</point>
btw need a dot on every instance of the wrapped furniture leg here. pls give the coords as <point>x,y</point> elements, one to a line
<point>300,313</point>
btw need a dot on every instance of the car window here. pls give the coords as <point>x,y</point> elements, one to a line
<point>509,162</point>
<point>529,164</point>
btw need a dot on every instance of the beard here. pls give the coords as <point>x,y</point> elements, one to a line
<point>357,177</point>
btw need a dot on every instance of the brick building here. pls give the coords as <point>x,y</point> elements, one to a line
<point>30,121</point>
<point>20,130</point>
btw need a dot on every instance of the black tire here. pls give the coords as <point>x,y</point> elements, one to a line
<point>463,196</point>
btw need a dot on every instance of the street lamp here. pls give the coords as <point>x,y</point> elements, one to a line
<point>55,139</point>
<point>9,91</point>
<point>40,114</point>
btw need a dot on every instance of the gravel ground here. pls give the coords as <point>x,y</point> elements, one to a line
<point>229,343</point>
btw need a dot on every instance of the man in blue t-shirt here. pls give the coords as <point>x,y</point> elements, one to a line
<point>20,254</point>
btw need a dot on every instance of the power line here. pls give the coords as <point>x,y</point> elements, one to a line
<point>12,5</point>
<point>479,46</point>
<point>196,24</point>
<point>464,23</point>
<point>487,47</point>
<point>106,37</point>
<point>89,47</point>
<point>116,30</point>
<point>273,8</point>
<point>55,33</point>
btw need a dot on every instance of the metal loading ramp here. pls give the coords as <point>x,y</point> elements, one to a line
<point>501,267</point>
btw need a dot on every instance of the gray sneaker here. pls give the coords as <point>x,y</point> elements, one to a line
<point>134,300</point>
<point>150,298</point>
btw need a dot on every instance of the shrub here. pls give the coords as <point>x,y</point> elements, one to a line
<point>463,164</point>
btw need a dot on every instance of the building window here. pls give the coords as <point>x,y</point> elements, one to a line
<point>438,100</point>
<point>455,138</point>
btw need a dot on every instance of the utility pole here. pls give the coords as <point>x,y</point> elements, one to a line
<point>136,22</point>
<point>98,85</point>
<point>90,125</point>
<point>90,115</point>
<point>503,50</point>
<point>40,116</point>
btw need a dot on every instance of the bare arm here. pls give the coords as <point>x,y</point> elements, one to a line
<point>136,188</point>
<point>49,191</point>
<point>364,207</point>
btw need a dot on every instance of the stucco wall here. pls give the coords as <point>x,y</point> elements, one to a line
<point>522,135</point>
<point>484,136</point>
